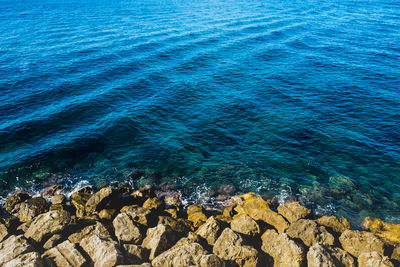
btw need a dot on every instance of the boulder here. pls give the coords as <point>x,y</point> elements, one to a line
<point>126,230</point>
<point>12,247</point>
<point>103,252</point>
<point>172,212</point>
<point>191,254</point>
<point>338,225</point>
<point>197,218</point>
<point>357,242</point>
<point>107,214</point>
<point>385,230</point>
<point>244,224</point>
<point>373,259</point>
<point>194,208</point>
<point>140,215</point>
<point>47,224</point>
<point>146,264</point>
<point>98,200</point>
<point>53,241</point>
<point>142,194</point>
<point>310,233</point>
<point>153,203</point>
<point>13,200</point>
<point>64,254</point>
<point>58,199</point>
<point>159,239</point>
<point>3,231</point>
<point>396,254</point>
<point>97,228</point>
<point>173,199</point>
<point>79,200</point>
<point>32,207</point>
<point>178,225</point>
<point>321,255</point>
<point>283,250</point>
<point>230,246</point>
<point>258,209</point>
<point>293,211</point>
<point>31,259</point>
<point>210,230</point>
<point>136,254</point>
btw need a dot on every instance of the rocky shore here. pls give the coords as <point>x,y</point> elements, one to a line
<point>116,226</point>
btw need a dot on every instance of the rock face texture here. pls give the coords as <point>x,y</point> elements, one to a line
<point>149,227</point>
<point>285,252</point>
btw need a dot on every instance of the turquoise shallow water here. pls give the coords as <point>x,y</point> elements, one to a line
<point>285,98</point>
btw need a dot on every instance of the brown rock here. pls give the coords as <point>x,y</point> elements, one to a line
<point>320,255</point>
<point>47,224</point>
<point>210,230</point>
<point>136,254</point>
<point>31,259</point>
<point>13,247</point>
<point>396,254</point>
<point>53,241</point>
<point>178,225</point>
<point>194,208</point>
<point>246,225</point>
<point>197,218</point>
<point>107,214</point>
<point>3,231</point>
<point>293,211</point>
<point>286,252</point>
<point>126,230</point>
<point>310,233</point>
<point>31,208</point>
<point>58,199</point>
<point>51,190</point>
<point>338,225</point>
<point>64,254</point>
<point>98,200</point>
<point>153,203</point>
<point>357,242</point>
<point>159,239</point>
<point>79,200</point>
<point>103,252</point>
<point>385,230</point>
<point>15,199</point>
<point>172,212</point>
<point>142,194</point>
<point>230,246</point>
<point>96,229</point>
<point>140,215</point>
<point>258,209</point>
<point>373,259</point>
<point>173,199</point>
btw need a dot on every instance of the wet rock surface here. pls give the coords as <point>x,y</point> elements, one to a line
<point>114,227</point>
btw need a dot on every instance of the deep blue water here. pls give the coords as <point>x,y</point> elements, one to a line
<point>286,98</point>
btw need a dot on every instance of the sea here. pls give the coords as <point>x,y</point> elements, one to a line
<point>290,99</point>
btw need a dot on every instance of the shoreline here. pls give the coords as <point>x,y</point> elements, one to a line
<point>115,226</point>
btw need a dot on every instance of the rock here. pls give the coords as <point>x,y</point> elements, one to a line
<point>15,199</point>
<point>98,200</point>
<point>357,242</point>
<point>58,199</point>
<point>338,225</point>
<point>373,259</point>
<point>47,224</point>
<point>64,254</point>
<point>79,200</point>
<point>285,252</point>
<point>103,252</point>
<point>142,194</point>
<point>173,199</point>
<point>51,190</point>
<point>210,230</point>
<point>244,224</point>
<point>159,239</point>
<point>293,211</point>
<point>146,264</point>
<point>396,254</point>
<point>53,241</point>
<point>31,259</point>
<point>258,209</point>
<point>31,208</point>
<point>210,260</point>
<point>185,255</point>
<point>126,230</point>
<point>310,233</point>
<point>383,229</point>
<point>140,215</point>
<point>229,246</point>
<point>96,229</point>
<point>136,254</point>
<point>3,231</point>
<point>13,247</point>
<point>197,218</point>
<point>107,214</point>
<point>194,208</point>
<point>172,212</point>
<point>320,255</point>
<point>178,225</point>
<point>153,203</point>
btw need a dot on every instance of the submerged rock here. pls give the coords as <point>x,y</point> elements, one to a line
<point>383,229</point>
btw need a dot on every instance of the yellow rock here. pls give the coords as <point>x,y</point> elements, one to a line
<point>388,231</point>
<point>197,218</point>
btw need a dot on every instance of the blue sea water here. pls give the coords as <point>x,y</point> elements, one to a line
<point>291,99</point>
